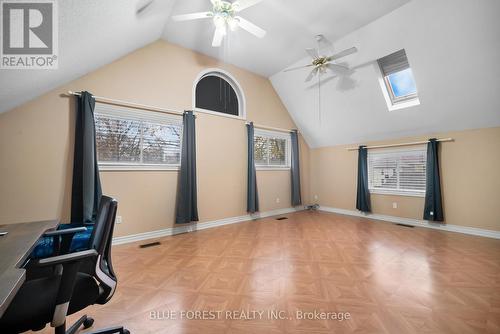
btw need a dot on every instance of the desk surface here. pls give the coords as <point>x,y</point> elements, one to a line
<point>14,249</point>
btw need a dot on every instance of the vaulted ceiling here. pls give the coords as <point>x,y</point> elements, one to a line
<point>94,33</point>
<point>452,46</point>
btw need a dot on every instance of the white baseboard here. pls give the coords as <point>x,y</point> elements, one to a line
<point>200,226</point>
<point>416,222</point>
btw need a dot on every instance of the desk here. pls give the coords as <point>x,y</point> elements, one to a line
<point>15,247</point>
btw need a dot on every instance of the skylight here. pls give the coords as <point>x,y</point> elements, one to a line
<point>398,83</point>
<point>402,83</point>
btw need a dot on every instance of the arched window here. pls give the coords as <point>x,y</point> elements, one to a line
<point>216,91</point>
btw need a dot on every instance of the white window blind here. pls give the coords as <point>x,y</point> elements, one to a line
<point>397,172</point>
<point>129,138</point>
<point>272,149</point>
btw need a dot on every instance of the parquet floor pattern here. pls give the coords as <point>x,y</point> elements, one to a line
<point>391,279</point>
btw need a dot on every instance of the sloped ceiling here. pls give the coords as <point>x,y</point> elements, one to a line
<point>92,33</point>
<point>453,48</point>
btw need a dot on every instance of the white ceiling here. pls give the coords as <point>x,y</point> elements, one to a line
<point>290,24</point>
<point>453,48</point>
<point>92,33</point>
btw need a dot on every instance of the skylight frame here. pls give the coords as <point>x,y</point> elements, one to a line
<point>398,99</point>
<point>392,64</point>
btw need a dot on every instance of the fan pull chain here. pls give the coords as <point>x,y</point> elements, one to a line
<point>319,98</point>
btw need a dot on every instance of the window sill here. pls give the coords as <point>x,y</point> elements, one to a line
<point>123,168</point>
<point>271,168</point>
<point>397,193</point>
<point>406,104</point>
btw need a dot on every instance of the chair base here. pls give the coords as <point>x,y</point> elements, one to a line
<point>87,322</point>
<point>111,330</point>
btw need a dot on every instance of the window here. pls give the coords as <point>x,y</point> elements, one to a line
<point>217,93</point>
<point>397,172</point>
<point>272,149</point>
<point>134,139</point>
<point>399,87</point>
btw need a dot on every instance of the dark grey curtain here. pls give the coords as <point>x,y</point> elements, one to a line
<point>86,189</point>
<point>187,202</point>
<point>363,197</point>
<point>252,195</point>
<point>433,209</point>
<point>295,170</point>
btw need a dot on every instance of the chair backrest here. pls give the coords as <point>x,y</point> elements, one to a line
<point>100,240</point>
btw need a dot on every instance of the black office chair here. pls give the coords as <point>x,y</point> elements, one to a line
<point>74,281</point>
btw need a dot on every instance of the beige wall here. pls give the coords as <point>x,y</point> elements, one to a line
<point>469,176</point>
<point>36,141</point>
<point>36,144</point>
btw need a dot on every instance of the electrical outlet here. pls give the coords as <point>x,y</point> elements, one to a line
<point>394,205</point>
<point>277,199</point>
<point>315,197</point>
<point>118,220</point>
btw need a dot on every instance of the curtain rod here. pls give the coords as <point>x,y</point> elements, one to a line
<point>271,128</point>
<point>132,104</point>
<point>401,144</point>
<point>159,109</point>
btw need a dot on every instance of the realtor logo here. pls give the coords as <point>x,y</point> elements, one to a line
<point>29,34</point>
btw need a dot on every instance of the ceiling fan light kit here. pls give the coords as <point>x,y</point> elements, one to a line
<point>223,15</point>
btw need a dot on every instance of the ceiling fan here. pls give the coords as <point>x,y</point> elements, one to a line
<point>224,16</point>
<point>322,63</point>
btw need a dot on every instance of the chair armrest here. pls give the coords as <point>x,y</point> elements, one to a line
<point>66,258</point>
<point>68,265</point>
<point>62,238</point>
<point>73,230</point>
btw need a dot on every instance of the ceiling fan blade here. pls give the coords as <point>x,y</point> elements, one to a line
<point>297,68</point>
<point>344,53</point>
<point>337,67</point>
<point>312,74</point>
<point>313,53</point>
<point>219,34</point>
<point>250,27</point>
<point>239,5</point>
<point>192,16</point>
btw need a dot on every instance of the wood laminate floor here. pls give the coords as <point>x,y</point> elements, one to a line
<point>389,278</point>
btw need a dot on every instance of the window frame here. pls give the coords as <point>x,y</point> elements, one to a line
<point>398,191</point>
<point>288,150</point>
<point>234,84</point>
<point>394,98</point>
<point>127,113</point>
<point>388,97</point>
